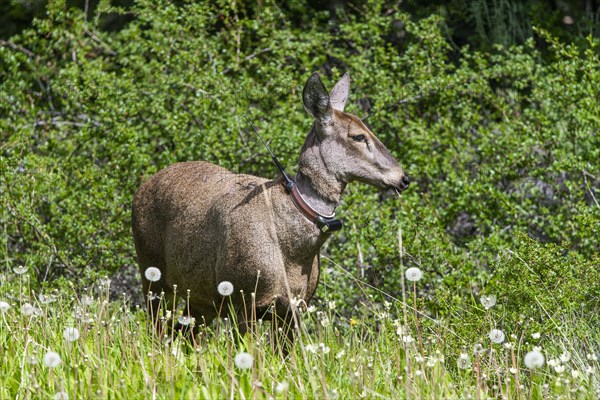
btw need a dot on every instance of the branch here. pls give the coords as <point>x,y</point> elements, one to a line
<point>14,46</point>
<point>250,57</point>
<point>100,42</point>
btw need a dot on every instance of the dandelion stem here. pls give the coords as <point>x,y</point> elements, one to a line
<point>417,318</point>
<point>403,287</point>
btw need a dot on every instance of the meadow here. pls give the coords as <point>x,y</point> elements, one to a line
<point>481,281</point>
<point>80,343</point>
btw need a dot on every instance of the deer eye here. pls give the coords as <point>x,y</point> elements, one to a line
<point>359,138</point>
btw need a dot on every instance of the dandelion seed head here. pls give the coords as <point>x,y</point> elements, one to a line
<point>496,336</point>
<point>478,349</point>
<point>536,335</point>
<point>463,361</point>
<point>27,309</point>
<point>282,387</point>
<point>243,360</point>
<point>534,359</point>
<point>46,299</point>
<point>31,359</point>
<point>71,334</point>
<point>4,306</point>
<point>333,394</point>
<point>225,288</point>
<point>407,339</point>
<point>488,301</point>
<point>30,310</point>
<point>153,274</point>
<point>52,359</point>
<point>186,320</point>
<point>104,283</point>
<point>413,274</point>
<point>20,270</point>
<point>311,348</point>
<point>61,396</point>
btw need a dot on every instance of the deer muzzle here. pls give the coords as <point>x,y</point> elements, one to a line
<point>401,185</point>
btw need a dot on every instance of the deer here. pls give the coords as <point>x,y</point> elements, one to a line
<point>201,224</point>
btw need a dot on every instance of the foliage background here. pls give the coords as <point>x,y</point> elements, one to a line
<point>501,140</point>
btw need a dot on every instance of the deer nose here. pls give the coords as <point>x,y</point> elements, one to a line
<point>405,182</point>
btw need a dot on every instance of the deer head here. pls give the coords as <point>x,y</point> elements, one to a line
<point>340,147</point>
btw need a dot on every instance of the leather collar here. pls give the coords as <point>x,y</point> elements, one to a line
<point>325,223</point>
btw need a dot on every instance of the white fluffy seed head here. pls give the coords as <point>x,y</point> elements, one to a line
<point>20,270</point>
<point>46,299</point>
<point>497,336</point>
<point>478,349</point>
<point>413,274</point>
<point>4,306</point>
<point>534,359</point>
<point>243,360</point>
<point>52,359</point>
<point>488,301</point>
<point>153,274</point>
<point>71,334</point>
<point>61,396</point>
<point>463,361</point>
<point>282,387</point>
<point>186,320</point>
<point>28,310</point>
<point>225,288</point>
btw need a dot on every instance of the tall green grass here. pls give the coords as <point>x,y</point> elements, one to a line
<point>388,350</point>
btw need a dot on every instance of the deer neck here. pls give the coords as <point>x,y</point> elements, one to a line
<point>317,185</point>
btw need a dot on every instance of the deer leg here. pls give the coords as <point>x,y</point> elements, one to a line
<point>283,324</point>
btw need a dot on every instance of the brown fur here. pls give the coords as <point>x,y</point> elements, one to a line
<point>201,224</point>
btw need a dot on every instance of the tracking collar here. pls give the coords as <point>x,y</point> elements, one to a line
<point>325,223</point>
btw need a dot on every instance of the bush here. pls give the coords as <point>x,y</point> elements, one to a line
<point>496,143</point>
<point>540,283</point>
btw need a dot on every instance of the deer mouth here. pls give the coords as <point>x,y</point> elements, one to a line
<point>400,186</point>
<point>393,190</point>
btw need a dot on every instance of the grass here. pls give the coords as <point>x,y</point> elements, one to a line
<point>117,354</point>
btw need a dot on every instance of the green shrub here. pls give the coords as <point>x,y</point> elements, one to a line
<point>495,143</point>
<point>541,283</point>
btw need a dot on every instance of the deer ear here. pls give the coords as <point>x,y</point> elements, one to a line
<point>316,99</point>
<point>340,92</point>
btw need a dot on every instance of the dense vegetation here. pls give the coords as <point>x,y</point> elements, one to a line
<point>502,144</point>
<point>478,23</point>
<point>77,343</point>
